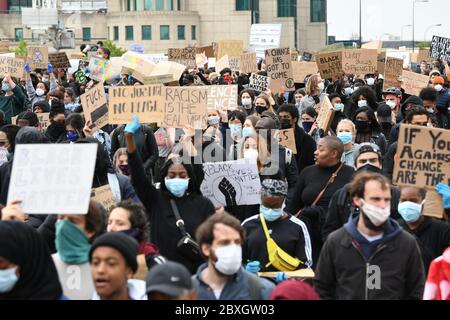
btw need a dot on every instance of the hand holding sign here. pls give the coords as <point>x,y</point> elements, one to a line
<point>444,191</point>
<point>134,126</point>
<point>228,191</point>
<point>49,68</point>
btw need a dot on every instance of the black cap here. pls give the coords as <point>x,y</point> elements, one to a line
<point>123,243</point>
<point>392,90</point>
<point>367,147</point>
<point>170,278</point>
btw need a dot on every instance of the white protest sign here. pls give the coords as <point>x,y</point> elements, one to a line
<point>259,83</point>
<point>263,37</point>
<point>222,98</point>
<point>53,178</point>
<point>231,183</point>
<point>405,55</point>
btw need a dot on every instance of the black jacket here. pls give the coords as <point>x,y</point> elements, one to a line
<point>433,237</point>
<point>341,207</point>
<point>388,162</point>
<point>306,146</point>
<point>393,271</point>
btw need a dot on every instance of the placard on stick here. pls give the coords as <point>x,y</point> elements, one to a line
<point>59,60</point>
<point>329,64</point>
<point>423,157</point>
<point>147,102</point>
<point>53,178</point>
<point>259,83</point>
<point>279,69</point>
<point>248,63</point>
<point>13,66</point>
<point>38,57</point>
<point>286,137</point>
<point>95,106</point>
<point>325,115</point>
<point>392,71</point>
<point>185,106</point>
<point>359,61</point>
<point>414,82</point>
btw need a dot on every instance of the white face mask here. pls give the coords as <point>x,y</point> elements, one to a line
<point>321,87</point>
<point>376,215</point>
<point>362,103</point>
<point>229,259</point>
<point>438,87</point>
<point>370,81</point>
<point>430,110</point>
<point>246,101</point>
<point>251,154</point>
<point>40,92</point>
<point>391,104</point>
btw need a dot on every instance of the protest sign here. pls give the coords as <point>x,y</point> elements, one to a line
<point>200,60</point>
<point>392,72</point>
<point>104,196</point>
<point>147,102</point>
<point>235,63</point>
<point>185,106</point>
<point>301,69</point>
<point>423,55</point>
<point>53,178</point>
<point>155,58</point>
<point>359,61</point>
<point>248,63</point>
<point>137,47</point>
<point>307,57</point>
<point>222,98</point>
<point>329,64</point>
<point>294,55</point>
<point>77,56</point>
<point>325,115</point>
<point>15,67</point>
<point>208,51</point>
<point>98,69</point>
<point>222,63</point>
<point>212,63</point>
<point>381,62</point>
<point>414,82</point>
<point>233,48</point>
<point>279,69</point>
<point>434,205</point>
<point>259,83</point>
<point>184,56</point>
<point>59,60</point>
<point>286,137</point>
<point>168,67</point>
<point>423,157</point>
<point>3,155</point>
<point>163,78</point>
<point>95,107</point>
<point>404,55</point>
<point>137,62</point>
<point>377,45</point>
<point>440,48</point>
<point>4,46</point>
<point>44,121</point>
<point>264,37</point>
<point>80,77</point>
<point>231,183</point>
<point>37,57</point>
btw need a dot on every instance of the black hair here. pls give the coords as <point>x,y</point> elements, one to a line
<point>429,94</point>
<point>334,95</point>
<point>107,52</point>
<point>76,121</point>
<point>100,43</point>
<point>415,112</point>
<point>291,109</point>
<point>193,186</point>
<point>374,125</point>
<point>137,218</point>
<point>368,93</point>
<point>235,114</point>
<point>310,111</point>
<point>11,131</point>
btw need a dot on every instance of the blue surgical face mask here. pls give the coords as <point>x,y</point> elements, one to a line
<point>345,137</point>
<point>8,279</point>
<point>410,211</point>
<point>338,107</point>
<point>348,91</point>
<point>72,136</point>
<point>5,87</point>
<point>271,214</point>
<point>235,129</point>
<point>362,103</point>
<point>247,132</point>
<point>177,186</point>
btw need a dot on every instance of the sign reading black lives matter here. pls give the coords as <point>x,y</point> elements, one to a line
<point>440,48</point>
<point>423,157</point>
<point>259,83</point>
<point>231,183</point>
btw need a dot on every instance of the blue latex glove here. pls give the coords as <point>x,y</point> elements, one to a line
<point>87,70</point>
<point>281,276</point>
<point>27,68</point>
<point>253,266</point>
<point>49,68</point>
<point>444,191</point>
<point>134,126</point>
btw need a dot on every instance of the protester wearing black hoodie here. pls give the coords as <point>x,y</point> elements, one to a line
<point>411,102</point>
<point>371,257</point>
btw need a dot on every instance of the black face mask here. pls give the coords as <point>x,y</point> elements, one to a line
<point>260,109</point>
<point>59,127</point>
<point>369,168</point>
<point>361,126</point>
<point>285,124</point>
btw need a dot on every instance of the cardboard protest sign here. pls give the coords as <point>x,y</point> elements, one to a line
<point>377,45</point>
<point>286,137</point>
<point>98,69</point>
<point>222,98</point>
<point>263,37</point>
<point>208,51</point>
<point>414,82</point>
<point>200,60</point>
<point>4,46</point>
<point>147,102</point>
<point>104,196</point>
<point>53,178</point>
<point>184,56</point>
<point>325,114</point>
<point>440,48</point>
<point>279,69</point>
<point>423,55</point>
<point>163,78</point>
<point>434,205</point>
<point>301,69</point>
<point>77,56</point>
<point>185,106</point>
<point>359,61</point>
<point>329,64</point>
<point>44,121</point>
<point>259,83</point>
<point>59,60</point>
<point>423,157</point>
<point>14,66</point>
<point>222,63</point>
<point>137,62</point>
<point>168,67</point>
<point>231,183</point>
<point>235,63</point>
<point>392,71</point>
<point>155,58</point>
<point>37,57</point>
<point>404,55</point>
<point>233,48</point>
<point>95,107</point>
<point>294,55</point>
<point>249,63</point>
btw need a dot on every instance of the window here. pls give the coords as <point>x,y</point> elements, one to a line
<point>193,32</point>
<point>287,8</point>
<point>148,5</point>
<point>170,5</point>
<point>318,10</point>
<point>179,5</point>
<point>164,32</point>
<point>116,33</point>
<point>181,33</point>
<point>138,5</point>
<point>86,34</point>
<point>159,5</point>
<point>129,33</point>
<point>242,5</point>
<point>146,32</point>
<point>18,34</point>
<point>15,6</point>
<point>128,5</point>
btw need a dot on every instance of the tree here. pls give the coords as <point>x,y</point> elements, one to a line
<point>21,49</point>
<point>115,51</point>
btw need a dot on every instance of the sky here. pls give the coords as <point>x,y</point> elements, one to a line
<point>382,17</point>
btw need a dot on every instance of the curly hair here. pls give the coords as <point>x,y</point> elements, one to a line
<point>137,218</point>
<point>367,93</point>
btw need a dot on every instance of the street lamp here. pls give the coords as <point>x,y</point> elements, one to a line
<point>428,29</point>
<point>408,25</point>
<point>414,11</point>
<point>360,25</point>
